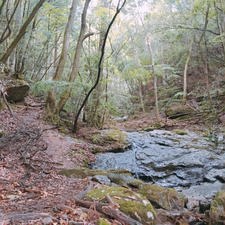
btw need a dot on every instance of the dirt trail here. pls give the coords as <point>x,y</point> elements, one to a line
<point>31,191</point>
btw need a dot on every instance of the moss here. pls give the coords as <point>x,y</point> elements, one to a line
<point>111,136</point>
<point>217,209</point>
<point>102,221</point>
<point>161,197</point>
<point>84,172</point>
<point>180,132</point>
<point>131,203</point>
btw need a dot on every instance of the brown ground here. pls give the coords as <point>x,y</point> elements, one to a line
<point>31,154</point>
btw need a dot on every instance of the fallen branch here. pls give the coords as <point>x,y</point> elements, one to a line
<point>106,209</point>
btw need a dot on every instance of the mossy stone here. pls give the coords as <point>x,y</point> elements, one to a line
<point>168,199</point>
<point>217,210</point>
<point>111,136</point>
<point>180,132</point>
<point>133,204</point>
<point>84,172</point>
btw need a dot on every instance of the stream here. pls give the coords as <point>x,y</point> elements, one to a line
<point>192,164</point>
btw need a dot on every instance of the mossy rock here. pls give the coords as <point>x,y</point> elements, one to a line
<point>160,197</point>
<point>133,204</point>
<point>102,221</point>
<point>217,210</point>
<point>178,111</point>
<point>84,172</point>
<point>180,132</point>
<point>154,126</point>
<point>16,90</point>
<point>111,136</point>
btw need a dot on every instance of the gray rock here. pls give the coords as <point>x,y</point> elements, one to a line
<point>171,160</point>
<point>102,179</point>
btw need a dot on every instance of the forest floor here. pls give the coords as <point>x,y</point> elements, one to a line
<point>32,152</point>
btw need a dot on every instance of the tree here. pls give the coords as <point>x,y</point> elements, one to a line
<point>21,32</point>
<point>118,9</point>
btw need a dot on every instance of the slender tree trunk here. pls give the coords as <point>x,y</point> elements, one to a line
<point>68,30</point>
<point>62,60</point>
<point>2,5</point>
<point>118,9</point>
<point>154,78</point>
<point>185,73</point>
<point>76,60</point>
<point>21,32</point>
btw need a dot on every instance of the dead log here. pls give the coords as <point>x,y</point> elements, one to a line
<point>108,210</point>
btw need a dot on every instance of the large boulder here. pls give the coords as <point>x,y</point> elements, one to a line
<point>113,140</point>
<point>160,197</point>
<point>217,210</point>
<point>132,204</point>
<point>178,111</point>
<point>16,89</point>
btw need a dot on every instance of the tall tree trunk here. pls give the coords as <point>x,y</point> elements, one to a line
<point>2,5</point>
<point>77,55</point>
<point>185,73</point>
<point>76,61</point>
<point>21,32</point>
<point>118,9</point>
<point>65,47</point>
<point>154,78</point>
<point>62,60</point>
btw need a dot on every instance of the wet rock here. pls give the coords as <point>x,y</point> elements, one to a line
<point>134,205</point>
<point>168,159</point>
<point>217,210</point>
<point>16,90</point>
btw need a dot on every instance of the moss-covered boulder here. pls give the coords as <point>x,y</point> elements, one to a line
<point>180,132</point>
<point>217,210</point>
<point>178,111</point>
<point>16,89</point>
<point>116,140</point>
<point>84,172</point>
<point>133,204</point>
<point>160,197</point>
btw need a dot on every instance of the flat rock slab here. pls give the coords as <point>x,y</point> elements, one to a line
<point>170,160</point>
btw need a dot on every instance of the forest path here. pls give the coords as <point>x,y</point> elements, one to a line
<point>31,154</point>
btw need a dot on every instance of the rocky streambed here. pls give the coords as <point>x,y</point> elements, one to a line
<point>188,162</point>
<point>164,178</point>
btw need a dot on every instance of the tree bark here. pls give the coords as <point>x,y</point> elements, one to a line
<point>185,73</point>
<point>154,79</point>
<point>2,6</point>
<point>68,30</point>
<point>76,60</point>
<point>118,9</point>
<point>21,32</point>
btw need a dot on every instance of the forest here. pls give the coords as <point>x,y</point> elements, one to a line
<point>112,112</point>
